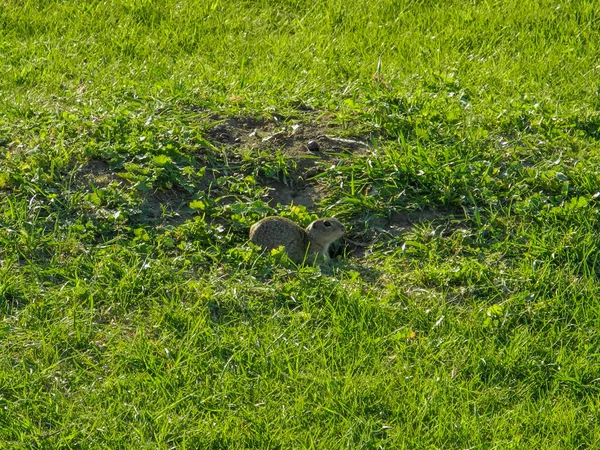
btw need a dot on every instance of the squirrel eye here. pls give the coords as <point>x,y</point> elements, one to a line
<point>327,223</point>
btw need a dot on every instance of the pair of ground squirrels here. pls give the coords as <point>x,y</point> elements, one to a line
<point>300,244</point>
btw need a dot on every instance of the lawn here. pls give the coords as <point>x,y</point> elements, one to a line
<point>459,143</point>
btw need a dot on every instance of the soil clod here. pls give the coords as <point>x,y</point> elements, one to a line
<point>313,146</point>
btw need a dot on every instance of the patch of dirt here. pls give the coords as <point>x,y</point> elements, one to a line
<point>306,195</point>
<point>400,222</point>
<point>170,207</point>
<point>294,139</point>
<point>381,229</point>
<point>307,143</point>
<point>98,173</point>
<point>310,144</point>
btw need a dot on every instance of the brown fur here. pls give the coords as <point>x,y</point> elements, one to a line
<point>272,232</point>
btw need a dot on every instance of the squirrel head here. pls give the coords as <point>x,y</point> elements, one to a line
<point>325,231</point>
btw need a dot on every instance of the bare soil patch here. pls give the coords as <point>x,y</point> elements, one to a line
<point>98,173</point>
<point>295,139</point>
<point>382,229</point>
<point>309,144</point>
<point>167,206</point>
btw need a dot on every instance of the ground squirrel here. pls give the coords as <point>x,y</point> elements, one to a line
<point>272,232</point>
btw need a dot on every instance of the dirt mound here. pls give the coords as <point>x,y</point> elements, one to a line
<point>295,139</point>
<point>309,144</point>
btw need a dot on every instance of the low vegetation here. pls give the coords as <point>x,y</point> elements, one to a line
<point>457,141</point>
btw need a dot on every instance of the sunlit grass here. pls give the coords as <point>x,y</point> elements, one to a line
<point>135,314</point>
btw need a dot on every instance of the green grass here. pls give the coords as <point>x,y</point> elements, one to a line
<point>136,315</point>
